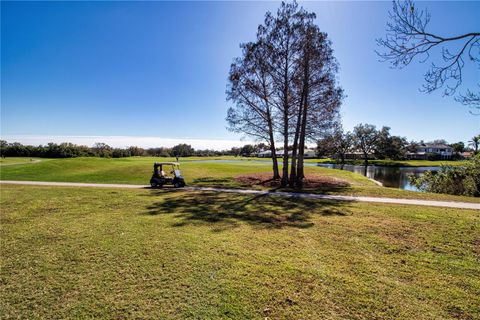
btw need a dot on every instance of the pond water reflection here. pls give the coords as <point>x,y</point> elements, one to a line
<point>393,177</point>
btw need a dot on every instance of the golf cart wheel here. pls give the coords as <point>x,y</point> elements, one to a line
<point>153,184</point>
<point>177,185</point>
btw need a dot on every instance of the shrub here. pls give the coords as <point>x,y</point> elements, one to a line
<point>433,156</point>
<point>452,180</point>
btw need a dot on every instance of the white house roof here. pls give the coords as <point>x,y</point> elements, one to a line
<point>264,152</point>
<point>434,146</point>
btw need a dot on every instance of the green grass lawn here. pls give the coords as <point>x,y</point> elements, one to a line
<point>210,172</point>
<point>113,253</point>
<point>135,170</point>
<point>395,163</point>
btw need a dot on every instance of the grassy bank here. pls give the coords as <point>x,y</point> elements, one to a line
<point>388,163</point>
<point>135,170</point>
<point>83,253</point>
<point>395,163</point>
<point>18,160</point>
<point>138,170</point>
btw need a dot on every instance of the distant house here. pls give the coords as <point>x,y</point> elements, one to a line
<point>427,150</point>
<point>264,154</point>
<point>308,153</point>
<point>467,154</point>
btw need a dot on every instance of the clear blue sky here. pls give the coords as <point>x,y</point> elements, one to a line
<point>160,69</point>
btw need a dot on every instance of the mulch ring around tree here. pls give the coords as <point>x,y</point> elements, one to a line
<point>311,181</point>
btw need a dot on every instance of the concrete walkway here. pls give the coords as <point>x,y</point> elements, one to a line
<point>447,204</point>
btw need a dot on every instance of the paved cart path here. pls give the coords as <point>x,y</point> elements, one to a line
<point>447,204</point>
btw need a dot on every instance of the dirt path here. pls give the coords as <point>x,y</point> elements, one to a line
<point>448,204</point>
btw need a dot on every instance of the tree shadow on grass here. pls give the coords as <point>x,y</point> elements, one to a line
<point>227,210</point>
<point>214,182</point>
<point>311,184</point>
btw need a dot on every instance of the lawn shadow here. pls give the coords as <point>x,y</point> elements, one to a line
<point>214,182</point>
<point>311,184</point>
<point>227,210</point>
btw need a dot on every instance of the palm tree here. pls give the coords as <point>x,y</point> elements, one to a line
<point>475,143</point>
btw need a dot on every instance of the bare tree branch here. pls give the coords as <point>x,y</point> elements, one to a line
<point>407,38</point>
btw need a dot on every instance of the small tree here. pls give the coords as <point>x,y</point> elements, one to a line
<point>337,144</point>
<point>247,150</point>
<point>326,146</point>
<point>136,151</point>
<point>412,146</point>
<point>365,137</point>
<point>3,148</point>
<point>120,153</point>
<point>343,146</point>
<point>234,151</point>
<point>260,147</point>
<point>475,143</point>
<point>102,150</point>
<point>159,152</point>
<point>458,147</point>
<point>182,150</point>
<point>388,146</point>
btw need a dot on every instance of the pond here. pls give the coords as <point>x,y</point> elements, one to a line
<point>393,177</point>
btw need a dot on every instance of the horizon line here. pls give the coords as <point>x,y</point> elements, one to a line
<point>122,141</point>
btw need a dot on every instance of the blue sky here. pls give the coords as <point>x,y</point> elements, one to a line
<point>159,69</point>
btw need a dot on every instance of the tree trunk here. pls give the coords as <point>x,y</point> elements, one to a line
<point>301,147</point>
<point>303,128</point>
<point>293,169</point>
<point>342,161</point>
<point>293,164</point>
<point>285,151</point>
<point>285,121</point>
<point>276,174</point>
<point>365,159</point>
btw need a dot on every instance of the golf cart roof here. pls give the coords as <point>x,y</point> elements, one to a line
<point>167,163</point>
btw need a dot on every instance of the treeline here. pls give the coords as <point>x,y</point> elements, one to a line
<point>370,142</point>
<point>70,150</point>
